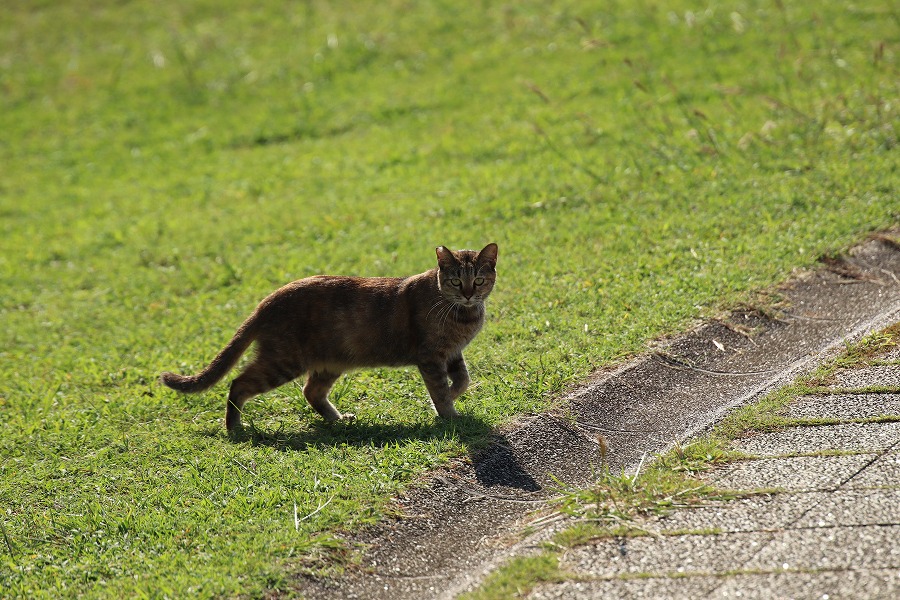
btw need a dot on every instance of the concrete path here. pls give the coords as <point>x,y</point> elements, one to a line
<point>831,531</point>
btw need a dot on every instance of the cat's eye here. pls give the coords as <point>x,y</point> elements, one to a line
<point>479,281</point>
<point>456,282</point>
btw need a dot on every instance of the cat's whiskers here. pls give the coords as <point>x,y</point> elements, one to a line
<point>439,305</point>
<point>444,315</point>
<point>453,312</point>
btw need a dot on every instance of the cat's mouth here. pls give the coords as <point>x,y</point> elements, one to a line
<point>463,302</point>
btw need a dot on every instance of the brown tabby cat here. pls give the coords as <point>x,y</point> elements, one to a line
<point>323,326</point>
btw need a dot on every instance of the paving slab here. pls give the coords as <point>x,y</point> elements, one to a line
<point>865,583</point>
<point>849,507</point>
<point>884,472</point>
<point>686,588</point>
<point>764,512</point>
<point>823,585</point>
<point>856,437</point>
<point>802,473</point>
<point>858,547</point>
<point>892,355</point>
<point>881,375</point>
<point>667,554</point>
<point>845,406</point>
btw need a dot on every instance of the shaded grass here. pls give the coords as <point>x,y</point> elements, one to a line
<point>166,167</point>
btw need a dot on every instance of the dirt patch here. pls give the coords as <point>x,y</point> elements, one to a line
<point>456,528</point>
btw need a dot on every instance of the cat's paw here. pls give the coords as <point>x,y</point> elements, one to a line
<point>347,418</point>
<point>448,414</point>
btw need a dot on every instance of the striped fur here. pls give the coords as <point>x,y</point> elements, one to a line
<point>323,326</point>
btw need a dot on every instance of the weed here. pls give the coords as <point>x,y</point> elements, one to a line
<point>518,577</point>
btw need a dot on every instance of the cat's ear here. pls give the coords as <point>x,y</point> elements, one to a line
<point>445,257</point>
<point>488,255</point>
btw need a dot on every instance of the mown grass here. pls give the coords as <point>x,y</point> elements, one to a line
<point>165,166</point>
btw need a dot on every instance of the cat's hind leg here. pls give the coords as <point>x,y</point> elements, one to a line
<point>260,376</point>
<point>316,391</point>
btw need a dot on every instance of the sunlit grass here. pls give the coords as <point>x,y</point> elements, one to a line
<point>165,166</point>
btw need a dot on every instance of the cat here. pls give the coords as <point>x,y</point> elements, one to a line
<point>325,325</point>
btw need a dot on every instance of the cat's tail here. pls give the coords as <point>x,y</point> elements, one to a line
<point>220,365</point>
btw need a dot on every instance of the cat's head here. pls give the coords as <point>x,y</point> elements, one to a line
<point>466,277</point>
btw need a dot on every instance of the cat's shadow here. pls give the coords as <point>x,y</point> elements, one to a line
<point>471,431</point>
<point>494,462</point>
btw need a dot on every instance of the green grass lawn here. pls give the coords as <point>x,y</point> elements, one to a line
<point>164,166</point>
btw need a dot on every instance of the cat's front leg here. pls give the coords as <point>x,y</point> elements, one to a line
<point>459,376</point>
<point>436,380</point>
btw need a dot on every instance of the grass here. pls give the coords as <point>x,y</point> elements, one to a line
<point>166,166</point>
<point>518,577</point>
<point>618,503</point>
